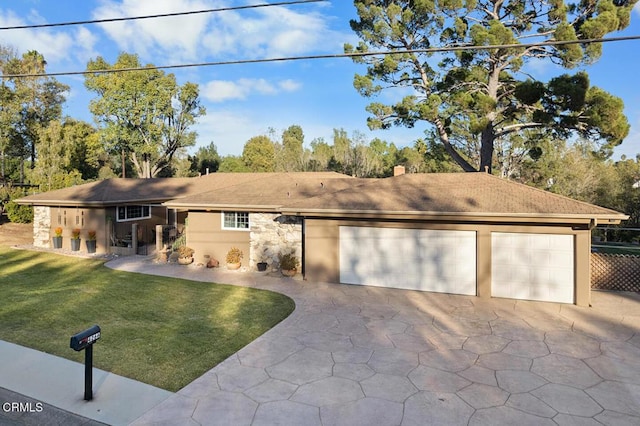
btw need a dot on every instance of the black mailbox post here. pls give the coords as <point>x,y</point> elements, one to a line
<point>85,340</point>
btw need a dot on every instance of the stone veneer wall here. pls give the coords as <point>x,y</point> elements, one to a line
<point>41,226</point>
<point>272,234</point>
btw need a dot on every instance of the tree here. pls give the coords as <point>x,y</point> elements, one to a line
<point>321,155</point>
<point>69,152</point>
<point>292,150</point>
<point>144,114</point>
<point>258,154</point>
<point>206,159</point>
<point>480,96</point>
<point>232,164</point>
<point>628,172</point>
<point>31,102</point>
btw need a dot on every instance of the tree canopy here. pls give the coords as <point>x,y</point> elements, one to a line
<point>145,114</point>
<point>28,105</point>
<point>472,98</point>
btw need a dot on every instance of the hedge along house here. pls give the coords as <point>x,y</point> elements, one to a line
<point>461,233</point>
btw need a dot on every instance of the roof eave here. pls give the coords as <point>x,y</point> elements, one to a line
<point>474,216</point>
<point>234,207</point>
<point>79,203</point>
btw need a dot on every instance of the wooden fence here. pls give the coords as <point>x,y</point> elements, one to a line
<point>615,272</point>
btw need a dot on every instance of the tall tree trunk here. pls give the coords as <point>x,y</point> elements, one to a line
<point>488,133</point>
<point>124,165</point>
<point>444,138</point>
<point>486,148</point>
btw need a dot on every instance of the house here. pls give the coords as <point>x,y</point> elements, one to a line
<point>461,233</point>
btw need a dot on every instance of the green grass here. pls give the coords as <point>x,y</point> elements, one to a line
<point>162,331</point>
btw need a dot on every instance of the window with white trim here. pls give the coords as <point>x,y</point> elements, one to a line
<point>126,213</point>
<point>235,220</point>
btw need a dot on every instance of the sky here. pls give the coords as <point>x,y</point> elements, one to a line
<point>243,101</point>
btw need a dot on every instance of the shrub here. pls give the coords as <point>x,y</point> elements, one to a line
<point>288,261</point>
<point>234,255</point>
<point>179,242</point>
<point>75,234</point>
<point>91,235</point>
<point>18,213</point>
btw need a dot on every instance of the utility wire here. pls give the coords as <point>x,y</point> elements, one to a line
<point>162,15</point>
<point>330,56</point>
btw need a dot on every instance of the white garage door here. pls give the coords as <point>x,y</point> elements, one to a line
<point>532,267</point>
<point>415,259</point>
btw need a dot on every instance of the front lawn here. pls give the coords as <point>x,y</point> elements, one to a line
<point>162,331</point>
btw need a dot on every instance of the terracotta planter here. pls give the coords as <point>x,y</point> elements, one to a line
<point>75,244</point>
<point>57,242</point>
<point>289,272</point>
<point>233,266</point>
<point>91,246</point>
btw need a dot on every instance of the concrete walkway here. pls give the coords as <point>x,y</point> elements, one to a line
<point>352,355</point>
<point>58,382</point>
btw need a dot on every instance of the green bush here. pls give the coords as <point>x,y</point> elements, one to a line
<point>179,242</point>
<point>18,213</point>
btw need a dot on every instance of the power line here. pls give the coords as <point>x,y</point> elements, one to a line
<point>329,56</point>
<point>161,15</point>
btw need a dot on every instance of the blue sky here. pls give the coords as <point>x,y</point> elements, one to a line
<point>246,100</point>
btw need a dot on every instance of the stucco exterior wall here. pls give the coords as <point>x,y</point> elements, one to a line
<point>85,219</point>
<point>272,234</point>
<point>322,245</point>
<point>206,236</point>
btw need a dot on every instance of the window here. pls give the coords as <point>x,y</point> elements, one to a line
<point>235,220</point>
<point>133,212</point>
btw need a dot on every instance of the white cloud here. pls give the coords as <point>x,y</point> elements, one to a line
<point>271,32</point>
<point>290,85</point>
<point>255,33</point>
<point>175,37</point>
<point>54,46</point>
<point>224,90</point>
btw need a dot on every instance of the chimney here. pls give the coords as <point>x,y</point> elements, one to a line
<point>398,170</point>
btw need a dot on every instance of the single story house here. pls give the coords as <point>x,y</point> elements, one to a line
<point>460,233</point>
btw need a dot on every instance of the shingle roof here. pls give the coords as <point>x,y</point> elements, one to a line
<point>328,192</point>
<point>271,191</point>
<point>442,193</point>
<point>122,191</point>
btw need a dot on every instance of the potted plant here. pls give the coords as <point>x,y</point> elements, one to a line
<point>75,239</point>
<point>91,242</point>
<point>57,239</point>
<point>185,255</point>
<point>234,258</point>
<point>288,264</point>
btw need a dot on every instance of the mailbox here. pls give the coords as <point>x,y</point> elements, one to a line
<point>85,338</point>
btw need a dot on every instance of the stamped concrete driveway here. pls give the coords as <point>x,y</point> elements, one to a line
<point>352,355</point>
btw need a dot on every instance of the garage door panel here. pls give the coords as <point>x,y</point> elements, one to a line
<point>418,259</point>
<point>533,266</point>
